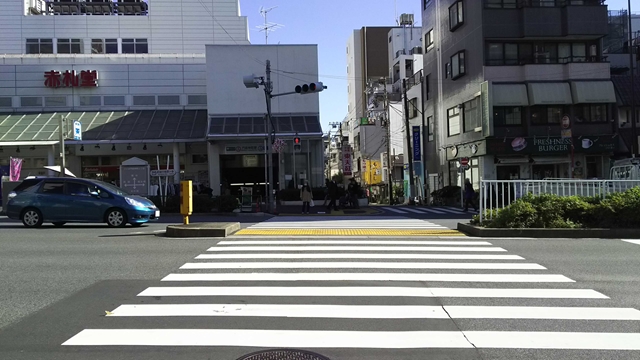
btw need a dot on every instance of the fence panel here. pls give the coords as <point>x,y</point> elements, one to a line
<point>496,194</point>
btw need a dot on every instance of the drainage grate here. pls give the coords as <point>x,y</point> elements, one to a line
<point>284,354</point>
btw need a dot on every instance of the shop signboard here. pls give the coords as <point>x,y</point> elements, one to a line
<point>69,78</point>
<point>77,130</point>
<point>552,145</point>
<point>416,144</point>
<point>347,160</point>
<point>239,149</point>
<point>487,109</point>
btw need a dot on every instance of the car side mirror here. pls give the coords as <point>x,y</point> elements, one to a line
<point>94,194</point>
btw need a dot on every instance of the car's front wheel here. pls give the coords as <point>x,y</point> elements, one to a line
<point>32,218</point>
<point>116,218</point>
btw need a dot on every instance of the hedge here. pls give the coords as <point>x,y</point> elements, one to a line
<point>616,210</point>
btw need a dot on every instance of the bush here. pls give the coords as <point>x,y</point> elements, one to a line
<point>226,203</point>
<point>552,211</point>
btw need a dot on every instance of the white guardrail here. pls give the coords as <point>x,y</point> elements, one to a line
<point>495,194</point>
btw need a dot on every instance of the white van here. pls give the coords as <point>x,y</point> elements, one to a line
<point>626,169</point>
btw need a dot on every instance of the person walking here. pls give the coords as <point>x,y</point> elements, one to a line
<point>307,197</point>
<point>469,194</point>
<point>333,195</point>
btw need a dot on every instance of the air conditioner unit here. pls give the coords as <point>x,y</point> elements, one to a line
<point>416,50</point>
<point>406,19</point>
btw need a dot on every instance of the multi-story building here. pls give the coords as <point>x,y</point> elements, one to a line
<point>520,88</point>
<point>139,78</point>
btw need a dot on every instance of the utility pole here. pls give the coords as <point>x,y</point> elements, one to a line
<point>633,90</point>
<point>412,187</point>
<point>63,165</point>
<point>268,88</point>
<point>388,123</point>
<point>423,143</point>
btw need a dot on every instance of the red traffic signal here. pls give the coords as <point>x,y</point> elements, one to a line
<point>309,88</point>
<point>296,140</point>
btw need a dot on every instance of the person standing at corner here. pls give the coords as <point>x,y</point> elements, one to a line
<point>306,196</point>
<point>469,194</point>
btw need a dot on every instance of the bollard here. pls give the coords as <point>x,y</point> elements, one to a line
<point>186,200</point>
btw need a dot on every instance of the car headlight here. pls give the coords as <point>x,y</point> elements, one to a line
<point>134,202</point>
<point>12,194</point>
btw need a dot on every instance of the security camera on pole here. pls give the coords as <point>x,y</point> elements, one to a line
<point>253,81</point>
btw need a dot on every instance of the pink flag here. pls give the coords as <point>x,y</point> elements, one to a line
<point>15,166</point>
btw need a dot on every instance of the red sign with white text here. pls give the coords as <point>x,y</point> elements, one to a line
<point>69,78</point>
<point>347,160</point>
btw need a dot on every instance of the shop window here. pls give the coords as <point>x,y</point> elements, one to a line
<point>30,101</point>
<point>197,99</point>
<point>39,46</point>
<point>507,115</point>
<point>114,100</point>
<point>594,167</point>
<point>592,113</point>
<point>69,46</point>
<point>5,102</point>
<point>52,101</point>
<point>135,46</point>
<point>500,4</point>
<point>542,115</point>
<point>472,115</point>
<point>168,99</point>
<point>90,101</point>
<point>144,100</point>
<point>458,65</point>
<point>199,159</point>
<point>456,15</point>
<point>453,121</point>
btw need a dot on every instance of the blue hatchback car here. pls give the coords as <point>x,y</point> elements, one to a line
<point>63,200</point>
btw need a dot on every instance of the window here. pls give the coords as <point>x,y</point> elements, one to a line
<point>542,115</point>
<point>52,188</point>
<point>78,189</point>
<point>55,101</point>
<point>197,99</point>
<point>5,102</point>
<point>168,99</point>
<point>90,101</point>
<point>114,100</point>
<point>500,4</point>
<point>39,46</point>
<point>430,127</point>
<point>593,113</point>
<point>104,46</point>
<point>69,46</point>
<point>97,46</point>
<point>390,39</point>
<point>456,15</point>
<point>135,46</point>
<point>144,100</point>
<point>447,70</point>
<point>427,88</point>
<point>472,115</point>
<point>425,3</point>
<point>428,39</point>
<point>413,108</point>
<point>457,66</point>
<point>27,101</point>
<point>507,115</point>
<point>453,120</point>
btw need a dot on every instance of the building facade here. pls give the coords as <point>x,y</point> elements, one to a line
<point>521,91</point>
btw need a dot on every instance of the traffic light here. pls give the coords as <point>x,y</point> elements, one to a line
<point>311,88</point>
<point>297,145</point>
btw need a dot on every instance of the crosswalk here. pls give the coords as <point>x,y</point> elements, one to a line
<point>304,286</point>
<point>441,210</point>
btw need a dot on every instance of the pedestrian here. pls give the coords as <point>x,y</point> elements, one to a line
<point>333,195</point>
<point>469,194</point>
<point>306,196</point>
<point>326,192</point>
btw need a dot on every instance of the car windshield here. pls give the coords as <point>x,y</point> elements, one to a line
<point>112,188</point>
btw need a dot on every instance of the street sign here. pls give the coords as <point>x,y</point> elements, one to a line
<point>566,122</point>
<point>161,173</point>
<point>566,133</point>
<point>464,161</point>
<point>77,130</point>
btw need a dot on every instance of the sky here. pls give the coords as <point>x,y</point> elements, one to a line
<point>329,23</point>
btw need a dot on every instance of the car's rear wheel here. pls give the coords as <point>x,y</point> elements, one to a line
<point>116,218</point>
<point>32,218</point>
<point>59,223</point>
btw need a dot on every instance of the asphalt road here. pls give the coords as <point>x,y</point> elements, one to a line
<point>60,282</point>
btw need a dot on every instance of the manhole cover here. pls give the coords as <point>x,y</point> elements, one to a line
<point>284,354</point>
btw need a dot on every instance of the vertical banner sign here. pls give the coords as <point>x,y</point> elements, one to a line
<point>487,108</point>
<point>77,130</point>
<point>15,167</point>
<point>416,144</point>
<point>347,160</point>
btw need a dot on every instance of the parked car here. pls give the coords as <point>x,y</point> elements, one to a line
<point>63,200</point>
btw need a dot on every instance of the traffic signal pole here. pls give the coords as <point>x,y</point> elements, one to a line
<point>412,187</point>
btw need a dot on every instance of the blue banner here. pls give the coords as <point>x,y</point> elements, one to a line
<point>416,144</point>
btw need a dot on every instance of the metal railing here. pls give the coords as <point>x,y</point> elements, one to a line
<point>496,194</point>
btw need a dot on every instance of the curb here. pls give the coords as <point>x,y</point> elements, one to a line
<point>477,231</point>
<point>196,230</point>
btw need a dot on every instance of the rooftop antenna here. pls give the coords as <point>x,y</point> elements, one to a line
<point>396,12</point>
<point>268,26</point>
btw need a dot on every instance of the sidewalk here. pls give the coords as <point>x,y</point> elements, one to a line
<point>319,210</point>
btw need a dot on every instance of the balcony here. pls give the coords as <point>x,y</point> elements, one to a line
<point>547,72</point>
<point>544,18</point>
<point>414,80</point>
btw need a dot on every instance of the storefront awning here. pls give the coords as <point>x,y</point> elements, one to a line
<point>593,92</point>
<point>550,94</point>
<point>510,95</point>
<point>248,126</point>
<point>120,126</point>
<point>506,160</point>
<point>551,159</point>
